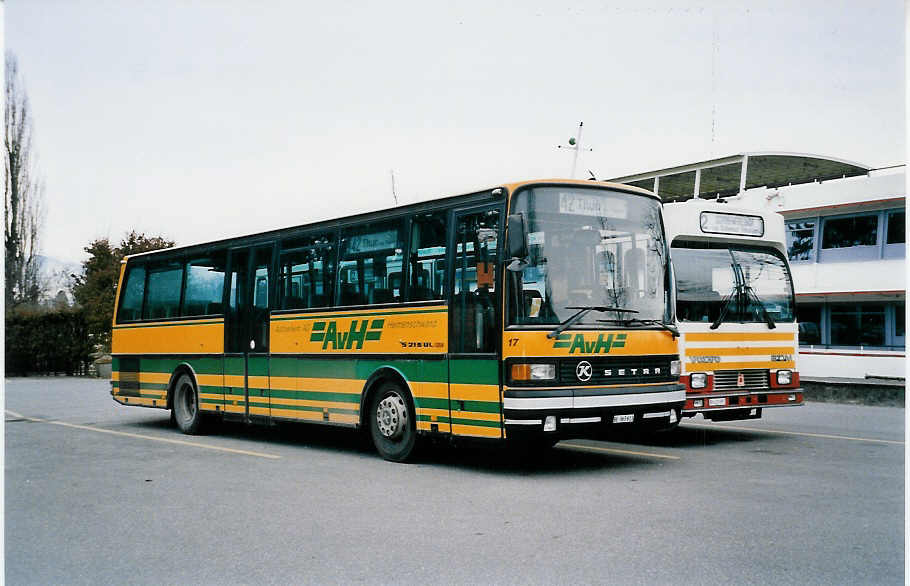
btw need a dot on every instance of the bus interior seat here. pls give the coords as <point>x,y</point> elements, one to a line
<point>529,295</point>
<point>350,295</point>
<point>422,294</point>
<point>382,296</point>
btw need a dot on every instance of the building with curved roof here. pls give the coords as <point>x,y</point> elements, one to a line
<point>846,243</point>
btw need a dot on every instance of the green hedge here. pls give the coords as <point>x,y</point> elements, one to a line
<point>54,342</point>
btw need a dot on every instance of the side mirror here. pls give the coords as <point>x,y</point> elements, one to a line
<point>517,237</point>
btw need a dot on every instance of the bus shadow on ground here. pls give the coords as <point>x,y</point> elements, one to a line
<point>689,436</point>
<point>500,459</point>
<point>476,455</point>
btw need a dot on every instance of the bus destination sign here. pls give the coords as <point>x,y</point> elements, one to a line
<point>735,224</point>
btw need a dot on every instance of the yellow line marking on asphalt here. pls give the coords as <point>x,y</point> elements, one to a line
<point>148,437</point>
<point>801,433</point>
<point>616,451</point>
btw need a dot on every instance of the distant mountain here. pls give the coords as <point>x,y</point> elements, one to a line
<point>56,276</point>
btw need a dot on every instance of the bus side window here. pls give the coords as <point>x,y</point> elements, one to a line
<point>131,294</point>
<point>371,256</point>
<point>307,272</point>
<point>162,300</point>
<point>427,256</point>
<point>204,286</point>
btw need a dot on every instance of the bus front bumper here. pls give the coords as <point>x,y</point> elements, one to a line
<point>576,411</point>
<point>700,402</point>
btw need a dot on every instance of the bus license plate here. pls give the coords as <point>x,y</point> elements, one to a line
<point>629,418</point>
<point>719,402</point>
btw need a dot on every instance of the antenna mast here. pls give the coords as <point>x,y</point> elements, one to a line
<point>574,145</point>
<point>394,195</point>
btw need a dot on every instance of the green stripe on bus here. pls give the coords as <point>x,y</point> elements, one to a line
<point>201,365</point>
<point>475,422</point>
<point>168,325</point>
<point>481,406</point>
<point>346,315</point>
<point>478,372</point>
<point>471,371</point>
<point>316,396</point>
<point>431,403</point>
<point>153,386</point>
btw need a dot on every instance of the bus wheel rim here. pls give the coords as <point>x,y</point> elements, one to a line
<point>392,416</point>
<point>189,404</point>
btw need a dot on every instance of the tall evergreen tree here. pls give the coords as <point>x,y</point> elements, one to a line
<point>23,196</point>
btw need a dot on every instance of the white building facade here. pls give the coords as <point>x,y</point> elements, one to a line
<point>846,243</point>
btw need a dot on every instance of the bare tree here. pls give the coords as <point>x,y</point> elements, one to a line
<point>24,195</point>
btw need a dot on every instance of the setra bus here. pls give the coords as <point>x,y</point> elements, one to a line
<point>527,312</point>
<point>735,310</point>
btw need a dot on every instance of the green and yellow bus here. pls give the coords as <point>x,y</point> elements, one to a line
<point>528,312</point>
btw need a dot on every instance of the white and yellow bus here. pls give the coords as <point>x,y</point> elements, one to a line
<point>735,310</point>
<point>527,312</point>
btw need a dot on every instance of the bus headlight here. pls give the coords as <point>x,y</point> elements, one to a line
<point>533,372</point>
<point>784,377</point>
<point>674,367</point>
<point>698,380</point>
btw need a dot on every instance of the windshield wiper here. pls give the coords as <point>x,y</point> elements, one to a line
<point>647,322</point>
<point>582,310</point>
<point>742,291</point>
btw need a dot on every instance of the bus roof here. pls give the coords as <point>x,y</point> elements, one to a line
<point>687,220</point>
<point>478,196</point>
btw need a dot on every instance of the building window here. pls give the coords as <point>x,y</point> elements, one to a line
<point>858,325</point>
<point>801,239</point>
<point>896,227</point>
<point>810,324</point>
<point>850,231</point>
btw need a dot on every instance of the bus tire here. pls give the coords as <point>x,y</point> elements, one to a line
<point>186,405</point>
<point>392,423</point>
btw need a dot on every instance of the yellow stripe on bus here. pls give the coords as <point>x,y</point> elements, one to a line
<point>739,336</point>
<point>155,377</point>
<point>428,426</point>
<point>478,415</point>
<point>430,412</point>
<point>430,390</point>
<point>142,401</point>
<point>459,429</point>
<point>471,392</point>
<point>314,403</point>
<point>753,351</point>
<point>331,385</point>
<point>234,380</point>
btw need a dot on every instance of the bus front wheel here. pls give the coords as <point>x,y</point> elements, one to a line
<point>392,423</point>
<point>186,405</point>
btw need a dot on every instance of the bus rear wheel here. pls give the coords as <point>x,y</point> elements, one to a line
<point>186,412</point>
<point>392,423</point>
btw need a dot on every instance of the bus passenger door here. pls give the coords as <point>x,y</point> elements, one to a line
<point>246,370</point>
<point>475,330</point>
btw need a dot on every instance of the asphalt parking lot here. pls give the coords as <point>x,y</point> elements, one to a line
<point>100,493</point>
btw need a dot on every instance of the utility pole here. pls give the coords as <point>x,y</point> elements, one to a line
<point>575,145</point>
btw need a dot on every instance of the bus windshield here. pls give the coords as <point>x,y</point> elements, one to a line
<point>707,276</point>
<point>588,247</point>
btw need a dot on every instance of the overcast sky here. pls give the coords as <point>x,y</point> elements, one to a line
<point>201,120</point>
